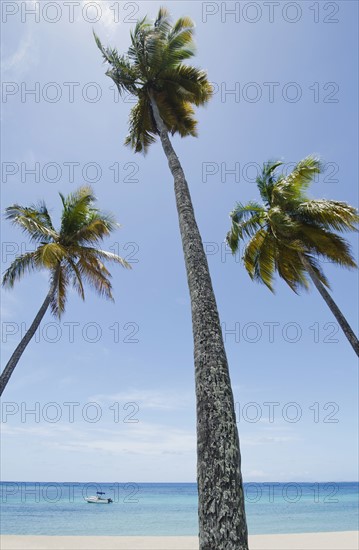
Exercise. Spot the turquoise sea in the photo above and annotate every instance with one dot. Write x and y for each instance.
(171, 508)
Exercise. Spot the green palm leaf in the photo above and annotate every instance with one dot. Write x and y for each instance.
(58, 301)
(328, 214)
(74, 276)
(266, 180)
(104, 255)
(327, 245)
(50, 255)
(290, 268)
(141, 125)
(71, 255)
(20, 266)
(96, 275)
(246, 220)
(293, 186)
(290, 227)
(34, 221)
(153, 67)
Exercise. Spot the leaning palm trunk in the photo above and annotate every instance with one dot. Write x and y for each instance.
(14, 359)
(353, 340)
(222, 521)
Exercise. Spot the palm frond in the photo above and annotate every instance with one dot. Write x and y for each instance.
(190, 82)
(123, 73)
(329, 214)
(246, 220)
(251, 251)
(142, 128)
(177, 114)
(290, 268)
(283, 225)
(243, 212)
(98, 254)
(75, 276)
(327, 245)
(19, 267)
(64, 254)
(98, 225)
(59, 277)
(124, 79)
(182, 23)
(34, 221)
(317, 268)
(264, 263)
(137, 53)
(292, 226)
(180, 45)
(96, 276)
(266, 179)
(50, 255)
(163, 22)
(293, 186)
(155, 51)
(76, 211)
(153, 67)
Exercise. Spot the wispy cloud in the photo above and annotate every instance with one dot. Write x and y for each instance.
(148, 399)
(137, 439)
(265, 440)
(52, 431)
(106, 13)
(176, 443)
(10, 304)
(21, 61)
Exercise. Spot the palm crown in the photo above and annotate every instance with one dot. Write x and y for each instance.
(70, 254)
(153, 67)
(290, 225)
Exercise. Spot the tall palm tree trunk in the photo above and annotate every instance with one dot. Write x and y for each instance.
(222, 521)
(353, 340)
(13, 361)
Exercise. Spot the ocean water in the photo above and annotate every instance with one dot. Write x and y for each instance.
(171, 508)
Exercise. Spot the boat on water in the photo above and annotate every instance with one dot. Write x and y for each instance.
(98, 499)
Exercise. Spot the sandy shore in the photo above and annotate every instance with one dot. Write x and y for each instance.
(345, 540)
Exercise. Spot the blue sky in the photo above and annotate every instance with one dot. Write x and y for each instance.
(134, 358)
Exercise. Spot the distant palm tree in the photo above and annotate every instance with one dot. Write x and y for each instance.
(70, 255)
(166, 90)
(291, 231)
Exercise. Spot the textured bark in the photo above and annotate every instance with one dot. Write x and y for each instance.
(222, 520)
(353, 340)
(14, 359)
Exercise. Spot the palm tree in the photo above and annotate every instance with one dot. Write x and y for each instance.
(166, 89)
(290, 232)
(70, 255)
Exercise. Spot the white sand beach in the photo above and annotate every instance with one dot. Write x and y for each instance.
(345, 540)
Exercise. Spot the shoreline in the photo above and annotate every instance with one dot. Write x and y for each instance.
(336, 540)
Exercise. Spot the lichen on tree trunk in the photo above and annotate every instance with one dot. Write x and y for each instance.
(14, 359)
(346, 328)
(222, 521)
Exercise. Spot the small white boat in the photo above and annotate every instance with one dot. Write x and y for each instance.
(98, 499)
